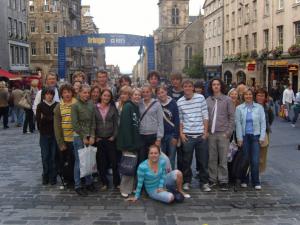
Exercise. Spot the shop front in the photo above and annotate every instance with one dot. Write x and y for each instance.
(283, 72)
(212, 71)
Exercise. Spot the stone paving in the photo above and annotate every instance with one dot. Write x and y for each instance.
(23, 200)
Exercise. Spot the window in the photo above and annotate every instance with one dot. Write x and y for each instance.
(214, 52)
(227, 23)
(32, 26)
(205, 55)
(246, 42)
(26, 56)
(232, 20)
(267, 8)
(55, 29)
(74, 24)
(15, 27)
(247, 16)
(20, 29)
(254, 36)
(297, 32)
(227, 47)
(206, 31)
(209, 54)
(55, 6)
(219, 51)
(12, 55)
(280, 4)
(214, 28)
(254, 9)
(10, 26)
(175, 16)
(14, 5)
(47, 48)
(17, 55)
(24, 30)
(219, 26)
(239, 44)
(188, 56)
(22, 61)
(209, 33)
(10, 3)
(31, 6)
(33, 48)
(280, 35)
(46, 5)
(240, 17)
(232, 46)
(266, 39)
(55, 48)
(47, 27)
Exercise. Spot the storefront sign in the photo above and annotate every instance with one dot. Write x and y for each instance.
(293, 68)
(278, 63)
(251, 67)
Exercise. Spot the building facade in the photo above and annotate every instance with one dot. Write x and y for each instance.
(261, 42)
(213, 38)
(178, 38)
(93, 59)
(48, 20)
(14, 45)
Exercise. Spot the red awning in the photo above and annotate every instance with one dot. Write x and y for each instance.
(10, 76)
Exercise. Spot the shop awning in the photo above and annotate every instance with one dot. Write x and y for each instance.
(8, 75)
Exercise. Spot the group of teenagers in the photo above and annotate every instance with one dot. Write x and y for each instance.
(162, 127)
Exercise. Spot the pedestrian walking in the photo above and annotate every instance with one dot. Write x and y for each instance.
(221, 125)
(4, 107)
(18, 111)
(129, 139)
(45, 123)
(250, 124)
(296, 109)
(29, 119)
(287, 99)
(106, 133)
(83, 123)
(193, 116)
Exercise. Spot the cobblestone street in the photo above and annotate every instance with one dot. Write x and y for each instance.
(23, 200)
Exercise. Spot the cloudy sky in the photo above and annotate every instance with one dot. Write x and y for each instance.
(130, 17)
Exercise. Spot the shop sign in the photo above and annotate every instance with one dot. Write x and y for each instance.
(278, 63)
(251, 67)
(293, 68)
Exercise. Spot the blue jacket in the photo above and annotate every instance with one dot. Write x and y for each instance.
(258, 117)
(170, 110)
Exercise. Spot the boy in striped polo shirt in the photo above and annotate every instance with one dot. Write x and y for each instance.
(193, 116)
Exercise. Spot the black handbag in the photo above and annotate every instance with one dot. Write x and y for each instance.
(128, 165)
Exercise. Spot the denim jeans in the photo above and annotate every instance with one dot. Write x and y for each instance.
(296, 113)
(251, 151)
(199, 145)
(78, 144)
(169, 149)
(48, 151)
(19, 114)
(28, 121)
(170, 185)
(4, 114)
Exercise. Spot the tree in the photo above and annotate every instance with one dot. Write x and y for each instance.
(196, 68)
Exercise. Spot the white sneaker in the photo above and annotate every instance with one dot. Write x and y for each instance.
(244, 185)
(185, 195)
(206, 188)
(186, 186)
(293, 125)
(257, 187)
(124, 195)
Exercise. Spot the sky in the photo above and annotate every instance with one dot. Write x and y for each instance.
(138, 17)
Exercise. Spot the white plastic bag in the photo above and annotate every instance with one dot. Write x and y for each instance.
(87, 161)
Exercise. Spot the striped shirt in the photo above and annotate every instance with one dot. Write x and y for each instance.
(192, 113)
(151, 180)
(66, 121)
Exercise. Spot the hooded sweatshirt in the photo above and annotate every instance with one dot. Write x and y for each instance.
(45, 117)
(170, 110)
